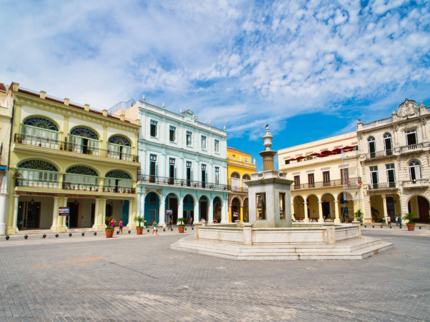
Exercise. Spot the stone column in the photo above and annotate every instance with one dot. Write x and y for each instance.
(320, 212)
(224, 211)
(196, 211)
(336, 211)
(211, 211)
(103, 212)
(247, 234)
(130, 212)
(229, 214)
(305, 211)
(384, 201)
(62, 222)
(15, 213)
(241, 213)
(181, 209)
(162, 213)
(3, 203)
(292, 211)
(55, 215)
(96, 213)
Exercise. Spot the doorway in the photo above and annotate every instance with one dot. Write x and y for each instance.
(28, 215)
(423, 210)
(391, 208)
(203, 210)
(74, 214)
(326, 210)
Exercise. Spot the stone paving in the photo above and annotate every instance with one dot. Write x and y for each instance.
(138, 278)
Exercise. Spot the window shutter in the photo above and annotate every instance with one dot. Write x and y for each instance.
(175, 172)
(192, 174)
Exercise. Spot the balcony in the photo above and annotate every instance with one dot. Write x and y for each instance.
(352, 183)
(81, 187)
(382, 186)
(412, 148)
(417, 183)
(181, 182)
(376, 155)
(67, 147)
(238, 189)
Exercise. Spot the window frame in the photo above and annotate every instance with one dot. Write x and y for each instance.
(189, 134)
(155, 124)
(172, 129)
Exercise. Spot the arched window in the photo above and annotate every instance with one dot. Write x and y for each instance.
(81, 177)
(388, 144)
(235, 181)
(84, 140)
(414, 171)
(37, 173)
(372, 147)
(246, 177)
(118, 181)
(39, 131)
(119, 147)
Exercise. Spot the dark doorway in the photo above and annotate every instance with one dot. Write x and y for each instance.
(203, 210)
(33, 215)
(109, 212)
(173, 205)
(423, 209)
(391, 208)
(85, 146)
(171, 174)
(326, 209)
(93, 212)
(152, 173)
(188, 176)
(74, 214)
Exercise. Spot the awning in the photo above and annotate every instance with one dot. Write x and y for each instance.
(300, 157)
(3, 167)
(292, 159)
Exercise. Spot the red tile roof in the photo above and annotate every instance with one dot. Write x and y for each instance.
(236, 150)
(2, 87)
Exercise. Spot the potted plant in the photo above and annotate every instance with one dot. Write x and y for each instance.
(70, 148)
(181, 224)
(68, 184)
(19, 138)
(182, 182)
(139, 228)
(61, 147)
(89, 151)
(40, 144)
(16, 175)
(358, 215)
(109, 231)
(410, 216)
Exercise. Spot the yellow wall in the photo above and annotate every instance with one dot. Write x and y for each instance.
(241, 167)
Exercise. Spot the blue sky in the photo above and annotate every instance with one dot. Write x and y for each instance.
(308, 68)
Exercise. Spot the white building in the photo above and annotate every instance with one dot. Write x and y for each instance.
(183, 166)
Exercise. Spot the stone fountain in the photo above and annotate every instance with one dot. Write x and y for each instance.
(271, 233)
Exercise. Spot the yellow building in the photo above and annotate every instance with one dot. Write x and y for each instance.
(327, 178)
(67, 155)
(239, 168)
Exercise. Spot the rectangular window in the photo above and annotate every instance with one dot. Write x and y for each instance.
(411, 137)
(189, 173)
(261, 205)
(297, 182)
(374, 177)
(189, 138)
(282, 205)
(172, 171)
(217, 146)
(154, 128)
(344, 175)
(246, 160)
(216, 175)
(391, 175)
(152, 168)
(287, 162)
(311, 180)
(326, 178)
(172, 134)
(203, 142)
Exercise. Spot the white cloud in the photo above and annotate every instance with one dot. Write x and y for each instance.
(237, 63)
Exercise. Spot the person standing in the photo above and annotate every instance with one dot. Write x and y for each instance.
(400, 221)
(121, 224)
(389, 220)
(112, 223)
(397, 221)
(170, 223)
(154, 228)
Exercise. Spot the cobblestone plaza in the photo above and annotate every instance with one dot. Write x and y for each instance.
(138, 278)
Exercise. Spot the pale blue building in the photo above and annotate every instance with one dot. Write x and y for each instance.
(183, 166)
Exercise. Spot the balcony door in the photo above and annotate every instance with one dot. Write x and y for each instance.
(40, 132)
(84, 140)
(172, 171)
(204, 176)
(326, 178)
(311, 180)
(391, 175)
(414, 170)
(374, 177)
(388, 144)
(119, 148)
(189, 173)
(153, 168)
(411, 137)
(372, 147)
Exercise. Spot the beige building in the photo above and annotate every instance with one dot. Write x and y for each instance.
(5, 126)
(326, 175)
(394, 155)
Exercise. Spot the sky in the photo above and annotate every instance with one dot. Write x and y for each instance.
(309, 69)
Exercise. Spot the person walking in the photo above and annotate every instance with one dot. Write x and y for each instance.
(170, 223)
(397, 221)
(112, 223)
(154, 228)
(389, 220)
(400, 221)
(121, 224)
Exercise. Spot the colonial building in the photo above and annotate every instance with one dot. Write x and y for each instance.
(64, 154)
(394, 154)
(184, 166)
(5, 126)
(239, 169)
(326, 174)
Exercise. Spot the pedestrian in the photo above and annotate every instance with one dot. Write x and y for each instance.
(400, 221)
(121, 224)
(170, 222)
(389, 220)
(112, 222)
(397, 221)
(154, 228)
(190, 220)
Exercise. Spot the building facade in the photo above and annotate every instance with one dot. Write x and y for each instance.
(239, 169)
(5, 127)
(326, 175)
(183, 166)
(67, 155)
(394, 155)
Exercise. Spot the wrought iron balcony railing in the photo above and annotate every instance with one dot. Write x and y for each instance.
(181, 182)
(416, 183)
(36, 183)
(351, 183)
(411, 148)
(72, 147)
(382, 185)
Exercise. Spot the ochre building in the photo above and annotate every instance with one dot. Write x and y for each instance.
(239, 168)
